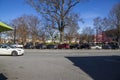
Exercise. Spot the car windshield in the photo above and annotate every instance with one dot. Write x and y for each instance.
(6, 46)
(11, 46)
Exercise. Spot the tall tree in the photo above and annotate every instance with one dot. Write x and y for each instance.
(87, 34)
(21, 29)
(72, 27)
(114, 18)
(100, 25)
(42, 34)
(34, 23)
(51, 32)
(27, 27)
(55, 10)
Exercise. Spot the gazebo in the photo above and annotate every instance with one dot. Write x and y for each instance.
(4, 27)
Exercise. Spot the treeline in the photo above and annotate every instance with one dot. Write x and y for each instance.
(57, 21)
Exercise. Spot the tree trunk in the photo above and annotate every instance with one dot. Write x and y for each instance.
(118, 34)
(61, 36)
(70, 41)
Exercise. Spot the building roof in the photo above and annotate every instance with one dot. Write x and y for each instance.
(4, 27)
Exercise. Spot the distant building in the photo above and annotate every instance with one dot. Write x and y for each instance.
(101, 38)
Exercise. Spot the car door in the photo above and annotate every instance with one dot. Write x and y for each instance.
(4, 50)
(1, 50)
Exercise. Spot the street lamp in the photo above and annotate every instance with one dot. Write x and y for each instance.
(14, 34)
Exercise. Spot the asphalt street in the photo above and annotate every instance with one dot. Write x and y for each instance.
(62, 65)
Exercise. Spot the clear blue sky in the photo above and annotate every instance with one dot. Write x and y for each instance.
(11, 9)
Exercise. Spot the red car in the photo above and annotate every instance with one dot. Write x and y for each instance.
(63, 46)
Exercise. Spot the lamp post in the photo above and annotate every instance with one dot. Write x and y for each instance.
(14, 34)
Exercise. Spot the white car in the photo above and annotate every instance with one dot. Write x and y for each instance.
(17, 45)
(96, 47)
(9, 50)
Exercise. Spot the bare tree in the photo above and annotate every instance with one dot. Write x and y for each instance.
(55, 10)
(42, 34)
(34, 23)
(114, 18)
(100, 25)
(27, 27)
(72, 27)
(21, 29)
(10, 36)
(87, 34)
(51, 33)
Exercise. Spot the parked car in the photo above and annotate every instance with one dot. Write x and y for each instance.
(114, 45)
(51, 46)
(119, 45)
(85, 46)
(40, 46)
(96, 47)
(106, 46)
(63, 46)
(29, 46)
(17, 45)
(75, 46)
(10, 50)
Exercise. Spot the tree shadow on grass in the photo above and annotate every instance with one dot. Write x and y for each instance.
(99, 67)
(3, 77)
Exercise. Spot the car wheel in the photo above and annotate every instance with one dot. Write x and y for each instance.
(14, 53)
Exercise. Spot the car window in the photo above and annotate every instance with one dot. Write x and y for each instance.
(0, 46)
(4, 46)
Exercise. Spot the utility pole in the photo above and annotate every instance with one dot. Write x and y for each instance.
(0, 38)
(14, 34)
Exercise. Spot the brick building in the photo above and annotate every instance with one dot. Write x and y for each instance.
(101, 38)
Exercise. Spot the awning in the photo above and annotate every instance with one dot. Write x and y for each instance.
(4, 27)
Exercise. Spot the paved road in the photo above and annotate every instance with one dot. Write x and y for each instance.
(62, 65)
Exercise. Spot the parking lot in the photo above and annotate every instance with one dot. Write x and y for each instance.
(61, 65)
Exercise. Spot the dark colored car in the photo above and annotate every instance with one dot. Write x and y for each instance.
(106, 46)
(40, 46)
(114, 45)
(63, 46)
(75, 46)
(29, 46)
(85, 46)
(51, 46)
